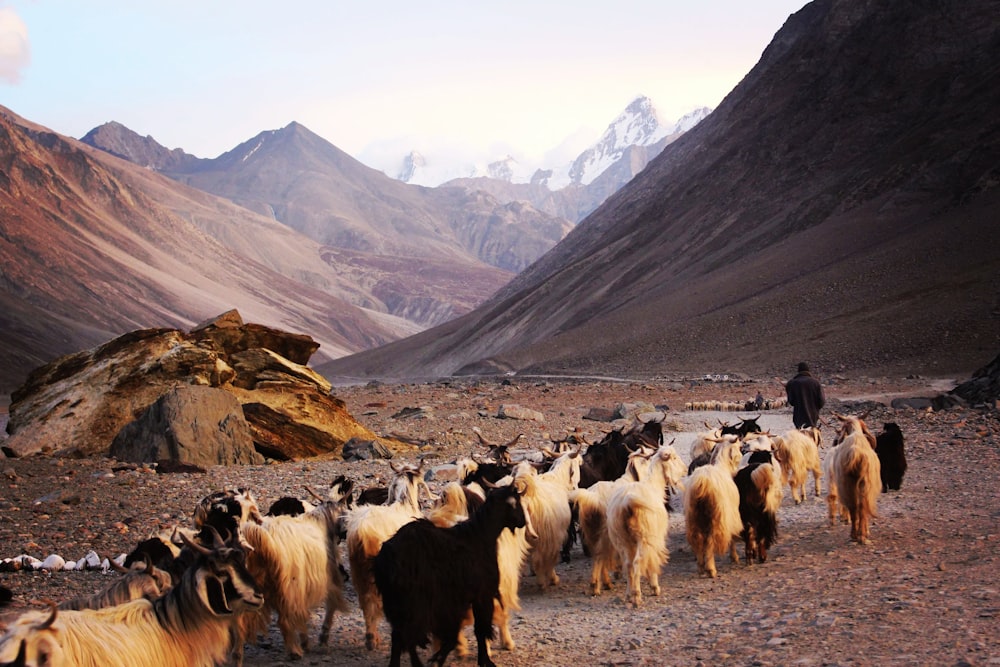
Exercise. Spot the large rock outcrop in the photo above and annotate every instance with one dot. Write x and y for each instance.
(127, 391)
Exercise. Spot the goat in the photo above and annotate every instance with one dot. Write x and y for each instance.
(891, 456)
(239, 503)
(760, 487)
(798, 452)
(428, 578)
(712, 508)
(546, 499)
(368, 526)
(638, 521)
(591, 505)
(149, 582)
(704, 446)
(295, 560)
(188, 627)
(854, 477)
(459, 503)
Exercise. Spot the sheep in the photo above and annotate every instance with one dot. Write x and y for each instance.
(295, 560)
(712, 508)
(638, 521)
(188, 627)
(428, 578)
(546, 499)
(368, 526)
(854, 477)
(891, 456)
(760, 487)
(798, 452)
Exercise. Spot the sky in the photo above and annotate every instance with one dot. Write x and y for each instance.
(532, 78)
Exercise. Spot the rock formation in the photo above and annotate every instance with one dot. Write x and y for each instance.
(256, 398)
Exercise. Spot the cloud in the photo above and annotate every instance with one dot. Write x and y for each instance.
(15, 50)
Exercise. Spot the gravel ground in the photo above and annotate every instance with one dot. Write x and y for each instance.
(923, 593)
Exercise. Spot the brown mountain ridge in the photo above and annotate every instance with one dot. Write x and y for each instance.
(840, 205)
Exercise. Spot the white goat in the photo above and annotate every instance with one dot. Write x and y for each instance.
(545, 498)
(854, 477)
(712, 508)
(638, 521)
(798, 452)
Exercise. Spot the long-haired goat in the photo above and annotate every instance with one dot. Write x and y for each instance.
(760, 487)
(712, 508)
(546, 499)
(798, 452)
(591, 505)
(368, 526)
(295, 560)
(428, 578)
(854, 477)
(188, 627)
(148, 582)
(638, 521)
(891, 456)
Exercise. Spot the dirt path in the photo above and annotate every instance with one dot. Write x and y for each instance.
(923, 593)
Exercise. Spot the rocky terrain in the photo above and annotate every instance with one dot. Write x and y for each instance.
(923, 592)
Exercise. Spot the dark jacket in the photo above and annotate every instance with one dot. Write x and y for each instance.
(805, 395)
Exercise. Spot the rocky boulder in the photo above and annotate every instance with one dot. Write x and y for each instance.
(203, 426)
(983, 387)
(79, 404)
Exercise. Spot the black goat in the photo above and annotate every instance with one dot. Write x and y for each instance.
(760, 489)
(889, 447)
(428, 578)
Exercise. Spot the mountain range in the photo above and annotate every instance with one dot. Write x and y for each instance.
(839, 206)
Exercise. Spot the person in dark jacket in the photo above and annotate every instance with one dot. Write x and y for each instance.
(805, 395)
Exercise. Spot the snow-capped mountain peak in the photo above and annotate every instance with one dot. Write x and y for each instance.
(640, 124)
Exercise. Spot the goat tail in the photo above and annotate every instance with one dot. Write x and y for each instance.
(769, 485)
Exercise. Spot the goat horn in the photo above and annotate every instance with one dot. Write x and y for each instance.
(47, 623)
(194, 545)
(21, 659)
(312, 493)
(119, 568)
(482, 440)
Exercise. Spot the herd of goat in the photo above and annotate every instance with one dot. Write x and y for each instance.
(196, 596)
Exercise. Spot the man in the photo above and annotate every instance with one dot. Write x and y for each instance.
(805, 395)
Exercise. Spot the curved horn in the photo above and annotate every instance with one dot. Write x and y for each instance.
(482, 440)
(47, 623)
(21, 659)
(194, 546)
(120, 568)
(315, 495)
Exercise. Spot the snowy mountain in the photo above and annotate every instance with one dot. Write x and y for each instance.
(640, 124)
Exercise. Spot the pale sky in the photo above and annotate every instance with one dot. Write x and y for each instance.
(373, 77)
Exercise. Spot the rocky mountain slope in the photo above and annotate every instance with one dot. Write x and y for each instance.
(838, 206)
(92, 246)
(301, 180)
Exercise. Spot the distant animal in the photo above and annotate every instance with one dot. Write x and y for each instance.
(891, 455)
(428, 578)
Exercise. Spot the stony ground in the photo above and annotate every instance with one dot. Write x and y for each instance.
(924, 592)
